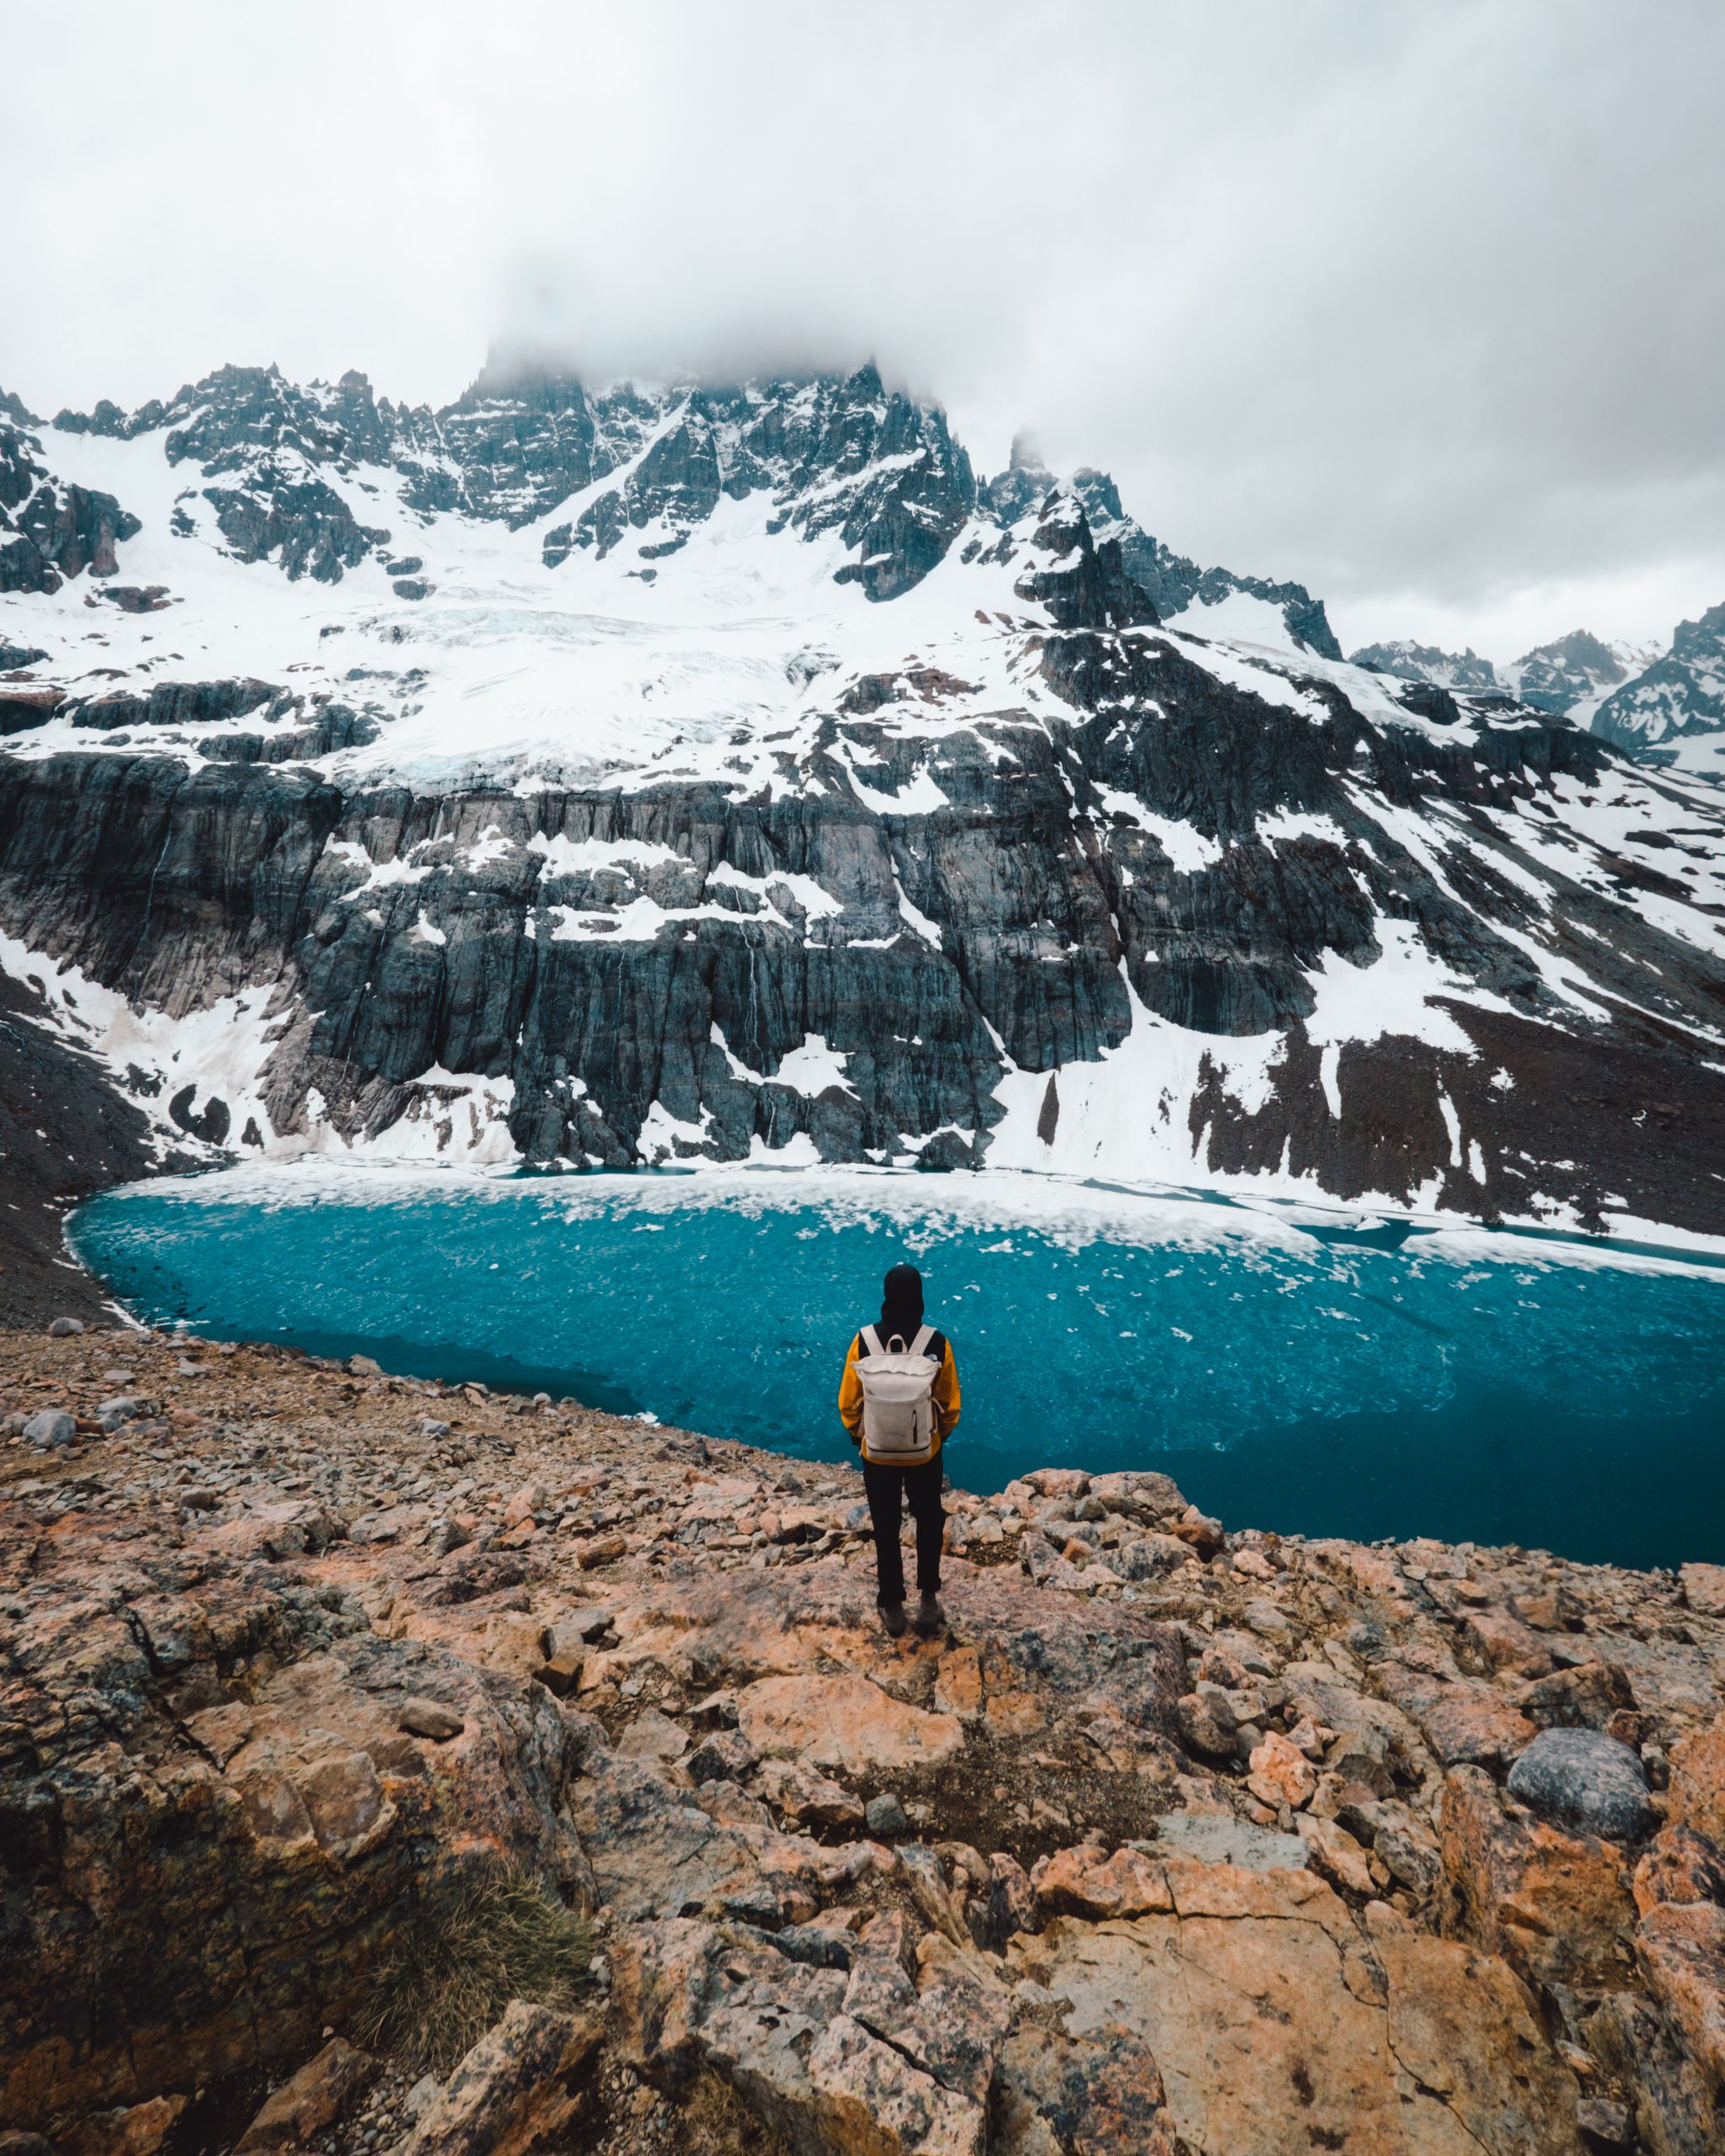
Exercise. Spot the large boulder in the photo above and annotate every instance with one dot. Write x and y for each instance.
(1581, 1780)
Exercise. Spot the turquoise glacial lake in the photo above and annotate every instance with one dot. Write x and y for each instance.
(1320, 1373)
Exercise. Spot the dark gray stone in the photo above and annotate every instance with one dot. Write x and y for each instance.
(1581, 1780)
(885, 1815)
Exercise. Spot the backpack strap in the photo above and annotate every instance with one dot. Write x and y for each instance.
(919, 1346)
(871, 1341)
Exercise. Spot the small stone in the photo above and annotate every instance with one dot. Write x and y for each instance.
(362, 1366)
(1010, 1906)
(717, 1710)
(1336, 1855)
(516, 2089)
(884, 1815)
(1605, 2124)
(726, 1755)
(423, 1717)
(652, 1737)
(1058, 1481)
(444, 1535)
(1474, 1726)
(810, 1797)
(1281, 1773)
(525, 1502)
(62, 1328)
(1577, 1778)
(51, 1427)
(430, 1427)
(325, 2088)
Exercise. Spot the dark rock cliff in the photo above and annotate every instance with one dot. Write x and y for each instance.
(638, 964)
(65, 1132)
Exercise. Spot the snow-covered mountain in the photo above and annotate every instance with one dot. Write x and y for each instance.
(1674, 712)
(1574, 674)
(1662, 707)
(620, 773)
(1424, 662)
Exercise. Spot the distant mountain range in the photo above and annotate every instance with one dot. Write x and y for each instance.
(612, 774)
(1668, 707)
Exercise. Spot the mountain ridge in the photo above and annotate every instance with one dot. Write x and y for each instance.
(782, 792)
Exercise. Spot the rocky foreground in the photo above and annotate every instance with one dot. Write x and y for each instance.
(1179, 1840)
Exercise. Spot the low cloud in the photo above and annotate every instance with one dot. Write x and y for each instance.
(1421, 305)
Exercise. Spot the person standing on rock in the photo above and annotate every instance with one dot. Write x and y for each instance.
(898, 1399)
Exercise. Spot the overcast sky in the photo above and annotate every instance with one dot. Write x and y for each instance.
(1420, 301)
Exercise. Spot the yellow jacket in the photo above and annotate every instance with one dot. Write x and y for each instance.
(945, 1395)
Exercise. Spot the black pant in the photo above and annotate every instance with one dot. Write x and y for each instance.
(886, 1489)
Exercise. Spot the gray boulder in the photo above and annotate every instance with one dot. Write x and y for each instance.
(1587, 1782)
(53, 1426)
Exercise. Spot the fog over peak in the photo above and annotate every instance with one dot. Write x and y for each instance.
(1422, 307)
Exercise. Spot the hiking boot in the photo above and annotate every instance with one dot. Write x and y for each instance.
(892, 1615)
(931, 1618)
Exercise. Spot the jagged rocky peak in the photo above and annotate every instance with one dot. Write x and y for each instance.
(840, 453)
(1558, 676)
(1013, 494)
(1083, 586)
(834, 451)
(1425, 662)
(1677, 699)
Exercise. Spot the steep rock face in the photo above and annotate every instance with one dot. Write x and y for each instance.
(626, 973)
(65, 1131)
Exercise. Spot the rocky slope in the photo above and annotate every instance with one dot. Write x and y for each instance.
(1178, 1839)
(618, 774)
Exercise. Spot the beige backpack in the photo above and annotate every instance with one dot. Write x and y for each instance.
(898, 1398)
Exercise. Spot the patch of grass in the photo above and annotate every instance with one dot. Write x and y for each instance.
(713, 2121)
(489, 1934)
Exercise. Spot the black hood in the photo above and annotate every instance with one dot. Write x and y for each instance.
(901, 1305)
